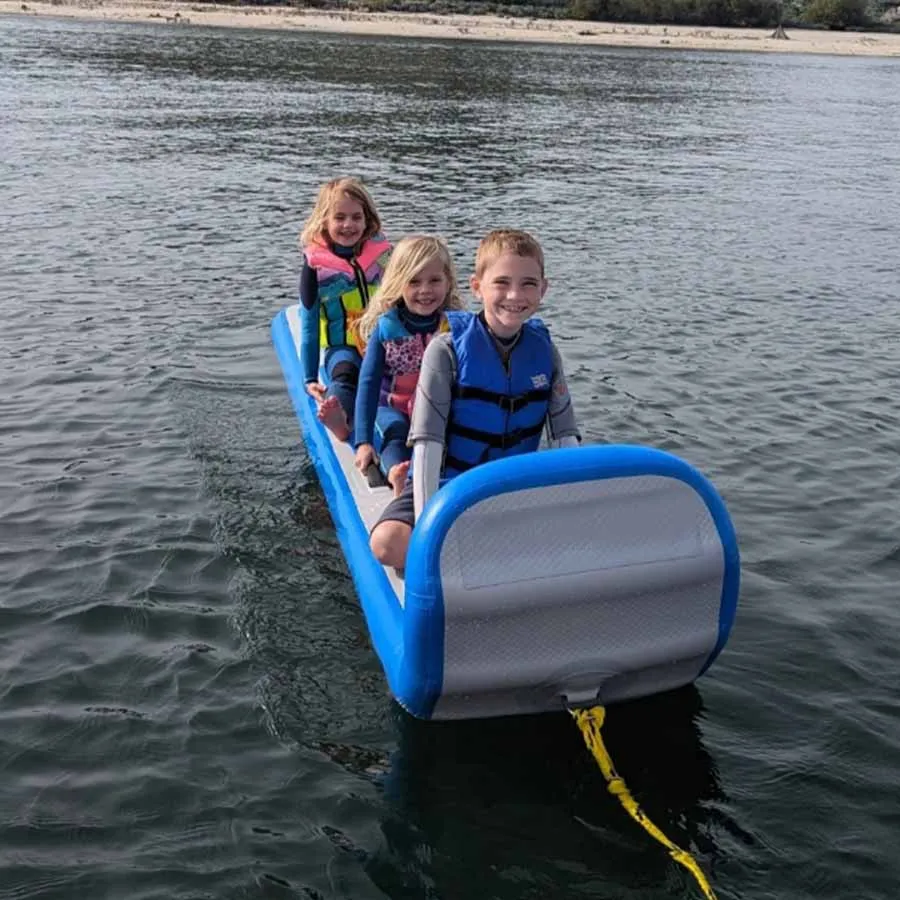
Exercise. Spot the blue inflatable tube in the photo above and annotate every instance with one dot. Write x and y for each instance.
(553, 579)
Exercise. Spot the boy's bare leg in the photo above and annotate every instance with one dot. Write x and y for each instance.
(332, 416)
(389, 541)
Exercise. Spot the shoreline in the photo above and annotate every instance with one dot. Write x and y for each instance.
(183, 14)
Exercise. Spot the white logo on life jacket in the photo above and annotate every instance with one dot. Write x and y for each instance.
(540, 381)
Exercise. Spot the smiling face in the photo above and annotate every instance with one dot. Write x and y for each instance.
(511, 288)
(346, 222)
(427, 290)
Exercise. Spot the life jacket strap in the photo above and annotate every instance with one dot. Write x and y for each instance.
(503, 441)
(507, 403)
(452, 462)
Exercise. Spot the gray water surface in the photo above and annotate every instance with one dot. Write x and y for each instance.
(190, 705)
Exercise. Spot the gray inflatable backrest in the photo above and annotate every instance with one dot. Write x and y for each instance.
(631, 607)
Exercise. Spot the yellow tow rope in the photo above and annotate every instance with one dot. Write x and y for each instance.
(590, 721)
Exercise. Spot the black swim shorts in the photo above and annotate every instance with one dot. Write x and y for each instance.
(400, 509)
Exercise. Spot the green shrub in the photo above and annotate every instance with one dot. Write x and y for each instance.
(836, 14)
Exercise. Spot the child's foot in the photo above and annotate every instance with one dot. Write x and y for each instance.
(397, 477)
(331, 415)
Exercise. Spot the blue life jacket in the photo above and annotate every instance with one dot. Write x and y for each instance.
(496, 410)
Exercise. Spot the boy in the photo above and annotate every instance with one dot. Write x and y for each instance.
(486, 388)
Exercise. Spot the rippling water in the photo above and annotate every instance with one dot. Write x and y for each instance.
(190, 707)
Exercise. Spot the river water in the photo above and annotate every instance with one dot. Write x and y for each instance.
(190, 706)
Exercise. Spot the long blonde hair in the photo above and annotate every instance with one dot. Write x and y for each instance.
(410, 256)
(315, 230)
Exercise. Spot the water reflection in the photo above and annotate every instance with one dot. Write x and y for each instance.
(484, 796)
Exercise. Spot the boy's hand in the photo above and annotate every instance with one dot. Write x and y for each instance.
(365, 456)
(317, 391)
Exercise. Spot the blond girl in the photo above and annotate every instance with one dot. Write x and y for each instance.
(344, 256)
(419, 285)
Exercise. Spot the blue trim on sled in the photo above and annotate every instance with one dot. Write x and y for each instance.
(423, 626)
(380, 605)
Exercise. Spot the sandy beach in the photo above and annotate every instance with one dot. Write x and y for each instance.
(488, 28)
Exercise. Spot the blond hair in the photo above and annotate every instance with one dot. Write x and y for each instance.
(315, 230)
(410, 256)
(507, 240)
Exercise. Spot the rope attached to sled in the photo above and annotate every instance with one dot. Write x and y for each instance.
(590, 721)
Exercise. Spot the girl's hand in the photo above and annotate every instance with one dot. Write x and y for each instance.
(317, 391)
(365, 456)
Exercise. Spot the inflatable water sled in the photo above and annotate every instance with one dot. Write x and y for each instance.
(561, 578)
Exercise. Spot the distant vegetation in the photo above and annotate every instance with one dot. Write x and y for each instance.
(882, 15)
